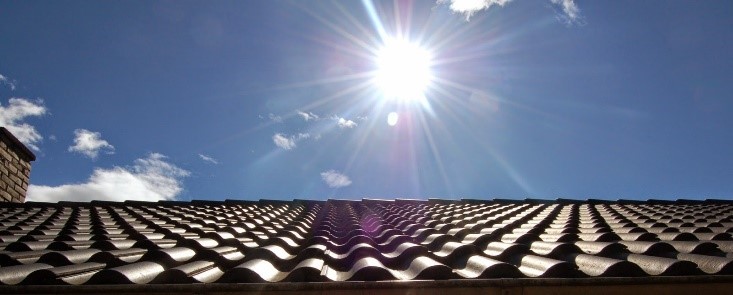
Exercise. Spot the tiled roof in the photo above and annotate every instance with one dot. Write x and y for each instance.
(369, 240)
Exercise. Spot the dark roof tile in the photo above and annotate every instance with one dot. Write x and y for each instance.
(695, 247)
(260, 271)
(134, 273)
(597, 266)
(74, 274)
(482, 267)
(538, 266)
(661, 266)
(60, 258)
(649, 248)
(504, 251)
(12, 275)
(193, 272)
(601, 248)
(709, 264)
(119, 257)
(170, 257)
(22, 257)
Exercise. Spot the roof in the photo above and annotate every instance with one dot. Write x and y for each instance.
(286, 242)
(23, 151)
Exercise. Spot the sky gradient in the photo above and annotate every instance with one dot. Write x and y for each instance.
(277, 99)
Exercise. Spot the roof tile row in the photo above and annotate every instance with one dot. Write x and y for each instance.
(275, 241)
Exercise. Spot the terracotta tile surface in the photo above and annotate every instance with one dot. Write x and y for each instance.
(368, 240)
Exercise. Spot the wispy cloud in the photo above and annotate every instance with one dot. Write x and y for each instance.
(308, 116)
(90, 143)
(341, 122)
(208, 159)
(469, 7)
(4, 80)
(571, 12)
(344, 123)
(288, 142)
(12, 116)
(149, 179)
(275, 118)
(334, 179)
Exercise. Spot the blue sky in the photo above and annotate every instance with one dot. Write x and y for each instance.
(278, 99)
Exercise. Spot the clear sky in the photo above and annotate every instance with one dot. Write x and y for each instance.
(371, 99)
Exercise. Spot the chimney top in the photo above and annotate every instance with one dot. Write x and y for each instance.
(18, 146)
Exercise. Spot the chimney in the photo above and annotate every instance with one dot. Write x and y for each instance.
(15, 170)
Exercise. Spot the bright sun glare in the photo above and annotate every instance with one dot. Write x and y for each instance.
(403, 70)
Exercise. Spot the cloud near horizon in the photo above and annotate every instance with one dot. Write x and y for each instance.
(149, 179)
(334, 179)
(12, 116)
(90, 143)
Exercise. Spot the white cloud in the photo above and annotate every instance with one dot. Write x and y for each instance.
(288, 142)
(90, 143)
(7, 81)
(18, 109)
(275, 118)
(571, 12)
(308, 116)
(344, 123)
(149, 179)
(208, 159)
(334, 179)
(283, 142)
(469, 7)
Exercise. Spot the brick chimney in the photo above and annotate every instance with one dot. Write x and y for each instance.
(15, 169)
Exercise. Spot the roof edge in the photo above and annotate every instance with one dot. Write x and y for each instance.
(629, 284)
(397, 201)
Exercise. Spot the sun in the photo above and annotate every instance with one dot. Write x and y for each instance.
(403, 70)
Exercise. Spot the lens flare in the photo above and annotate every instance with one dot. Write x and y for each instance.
(392, 118)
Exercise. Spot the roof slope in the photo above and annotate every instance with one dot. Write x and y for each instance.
(316, 241)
